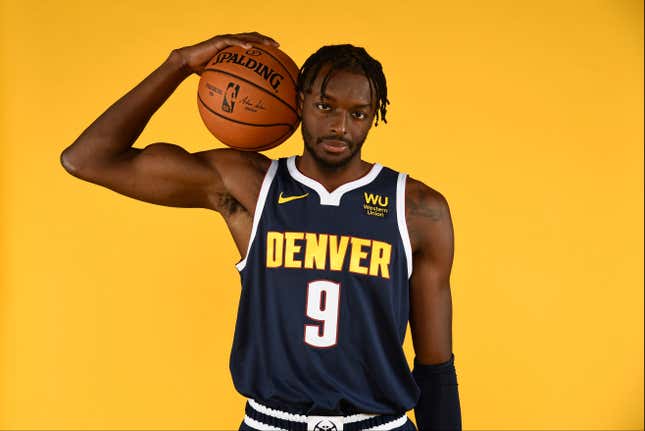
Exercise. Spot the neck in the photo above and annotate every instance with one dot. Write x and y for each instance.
(332, 177)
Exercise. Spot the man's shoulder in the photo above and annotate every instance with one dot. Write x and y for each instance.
(423, 203)
(427, 215)
(419, 190)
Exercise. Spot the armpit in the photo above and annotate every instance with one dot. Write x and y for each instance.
(227, 205)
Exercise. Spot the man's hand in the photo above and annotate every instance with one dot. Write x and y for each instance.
(195, 57)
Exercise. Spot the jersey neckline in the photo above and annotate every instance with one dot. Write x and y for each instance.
(331, 198)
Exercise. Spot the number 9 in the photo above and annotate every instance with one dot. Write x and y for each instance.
(322, 305)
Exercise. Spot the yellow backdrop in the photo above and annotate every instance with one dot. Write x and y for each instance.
(527, 116)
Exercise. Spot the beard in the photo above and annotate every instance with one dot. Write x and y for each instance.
(329, 163)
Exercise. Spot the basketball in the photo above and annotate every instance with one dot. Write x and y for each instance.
(247, 97)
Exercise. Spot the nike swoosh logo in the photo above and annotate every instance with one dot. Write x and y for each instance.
(285, 199)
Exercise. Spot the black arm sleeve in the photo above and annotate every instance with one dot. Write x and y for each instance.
(438, 406)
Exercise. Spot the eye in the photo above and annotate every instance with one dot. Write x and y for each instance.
(323, 106)
(360, 115)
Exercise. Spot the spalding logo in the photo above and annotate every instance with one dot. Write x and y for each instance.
(265, 72)
(325, 425)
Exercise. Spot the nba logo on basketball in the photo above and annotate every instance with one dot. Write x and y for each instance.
(228, 103)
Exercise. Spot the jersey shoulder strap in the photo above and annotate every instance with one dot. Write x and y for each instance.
(259, 208)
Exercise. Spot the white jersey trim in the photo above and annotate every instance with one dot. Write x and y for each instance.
(400, 216)
(331, 198)
(259, 207)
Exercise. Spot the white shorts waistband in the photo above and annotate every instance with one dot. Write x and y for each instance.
(316, 423)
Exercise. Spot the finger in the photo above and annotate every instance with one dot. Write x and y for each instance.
(259, 38)
(267, 39)
(235, 41)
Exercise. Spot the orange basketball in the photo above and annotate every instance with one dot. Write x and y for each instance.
(247, 97)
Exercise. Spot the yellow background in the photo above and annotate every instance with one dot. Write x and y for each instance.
(527, 116)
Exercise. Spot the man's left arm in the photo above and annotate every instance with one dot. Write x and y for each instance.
(431, 233)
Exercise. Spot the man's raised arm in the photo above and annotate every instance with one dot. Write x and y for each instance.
(163, 173)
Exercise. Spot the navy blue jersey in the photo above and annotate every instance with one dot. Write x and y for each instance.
(325, 296)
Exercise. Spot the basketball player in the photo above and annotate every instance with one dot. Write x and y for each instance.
(337, 253)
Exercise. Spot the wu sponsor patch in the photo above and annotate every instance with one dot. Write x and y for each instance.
(376, 205)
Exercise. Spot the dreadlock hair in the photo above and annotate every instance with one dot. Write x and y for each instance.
(349, 58)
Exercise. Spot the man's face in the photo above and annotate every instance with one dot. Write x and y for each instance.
(334, 126)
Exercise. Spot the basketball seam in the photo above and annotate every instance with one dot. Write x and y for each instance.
(255, 85)
(270, 145)
(291, 127)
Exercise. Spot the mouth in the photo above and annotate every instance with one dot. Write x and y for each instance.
(334, 146)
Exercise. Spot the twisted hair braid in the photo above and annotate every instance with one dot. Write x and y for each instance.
(349, 58)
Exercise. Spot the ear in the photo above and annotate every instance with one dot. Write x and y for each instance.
(300, 100)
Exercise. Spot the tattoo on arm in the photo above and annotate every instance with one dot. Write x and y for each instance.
(418, 205)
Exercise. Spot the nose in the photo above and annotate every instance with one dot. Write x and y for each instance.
(339, 124)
